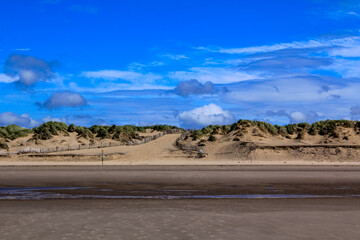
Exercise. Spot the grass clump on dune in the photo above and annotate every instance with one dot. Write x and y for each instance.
(48, 130)
(327, 127)
(4, 146)
(13, 131)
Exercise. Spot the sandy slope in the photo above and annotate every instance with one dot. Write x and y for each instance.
(160, 151)
(161, 148)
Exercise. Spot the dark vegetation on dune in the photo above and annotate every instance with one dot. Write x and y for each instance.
(12, 132)
(327, 127)
(49, 129)
(126, 132)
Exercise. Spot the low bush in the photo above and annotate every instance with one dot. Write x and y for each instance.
(196, 134)
(86, 133)
(71, 128)
(4, 146)
(47, 130)
(212, 138)
(103, 133)
(13, 131)
(291, 128)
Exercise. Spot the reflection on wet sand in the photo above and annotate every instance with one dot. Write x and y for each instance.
(161, 191)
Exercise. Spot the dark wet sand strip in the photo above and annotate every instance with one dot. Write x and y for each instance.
(174, 182)
(79, 175)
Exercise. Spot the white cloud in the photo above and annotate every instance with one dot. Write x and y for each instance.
(175, 56)
(207, 115)
(114, 75)
(213, 74)
(348, 41)
(298, 117)
(347, 52)
(139, 66)
(29, 70)
(64, 99)
(345, 67)
(53, 119)
(292, 89)
(7, 79)
(24, 120)
(104, 87)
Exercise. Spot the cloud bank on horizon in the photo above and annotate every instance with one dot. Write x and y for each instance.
(282, 62)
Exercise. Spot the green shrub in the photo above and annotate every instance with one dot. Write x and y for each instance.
(129, 128)
(13, 131)
(327, 127)
(85, 133)
(246, 123)
(212, 138)
(208, 129)
(304, 125)
(71, 128)
(291, 128)
(197, 134)
(47, 130)
(234, 126)
(162, 127)
(4, 146)
(3, 133)
(266, 127)
(124, 136)
(112, 129)
(80, 130)
(226, 128)
(282, 130)
(301, 135)
(103, 133)
(94, 129)
(141, 129)
(272, 129)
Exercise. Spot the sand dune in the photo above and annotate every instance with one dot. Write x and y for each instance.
(252, 147)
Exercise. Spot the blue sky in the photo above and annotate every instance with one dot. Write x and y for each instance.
(185, 63)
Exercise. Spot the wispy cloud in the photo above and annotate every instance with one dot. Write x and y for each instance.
(343, 8)
(175, 56)
(316, 43)
(213, 74)
(114, 75)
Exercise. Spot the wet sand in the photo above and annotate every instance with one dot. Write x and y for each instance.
(334, 215)
(181, 219)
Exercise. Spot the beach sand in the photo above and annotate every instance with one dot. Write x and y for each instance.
(181, 219)
(309, 218)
